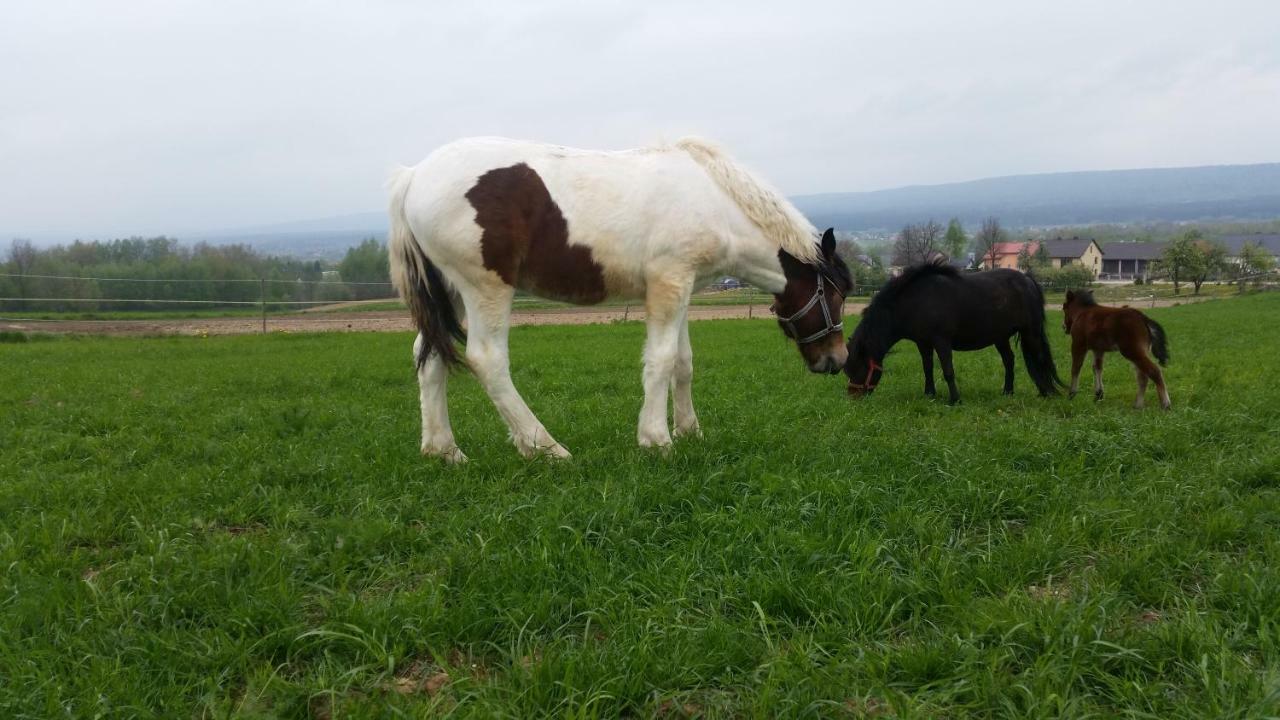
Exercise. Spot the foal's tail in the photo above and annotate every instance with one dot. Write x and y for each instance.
(1035, 343)
(1159, 342)
(419, 283)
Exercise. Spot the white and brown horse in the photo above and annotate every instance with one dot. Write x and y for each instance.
(481, 218)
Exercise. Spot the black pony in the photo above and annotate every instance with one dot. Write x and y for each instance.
(941, 309)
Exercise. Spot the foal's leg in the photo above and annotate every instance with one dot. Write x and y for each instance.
(948, 372)
(489, 319)
(1139, 401)
(682, 386)
(437, 435)
(1147, 369)
(1078, 351)
(666, 305)
(926, 361)
(1097, 374)
(1006, 356)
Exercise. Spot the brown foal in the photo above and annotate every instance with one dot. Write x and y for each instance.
(1097, 328)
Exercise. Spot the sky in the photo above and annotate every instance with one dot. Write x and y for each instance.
(168, 116)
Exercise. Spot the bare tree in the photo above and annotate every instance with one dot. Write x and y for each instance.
(984, 243)
(22, 260)
(918, 243)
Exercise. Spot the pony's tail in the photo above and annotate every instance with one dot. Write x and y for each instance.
(419, 283)
(1159, 342)
(1036, 352)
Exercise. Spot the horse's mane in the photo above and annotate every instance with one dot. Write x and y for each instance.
(777, 218)
(892, 289)
(874, 327)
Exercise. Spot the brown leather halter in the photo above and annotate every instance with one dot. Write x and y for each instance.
(819, 299)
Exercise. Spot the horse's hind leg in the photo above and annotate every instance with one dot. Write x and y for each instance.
(1006, 356)
(437, 435)
(1147, 369)
(1141, 399)
(1097, 374)
(926, 362)
(489, 319)
(686, 420)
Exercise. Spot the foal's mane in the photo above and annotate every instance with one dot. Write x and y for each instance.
(777, 218)
(1084, 298)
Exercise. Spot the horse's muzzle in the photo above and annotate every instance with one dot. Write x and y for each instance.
(827, 365)
(859, 391)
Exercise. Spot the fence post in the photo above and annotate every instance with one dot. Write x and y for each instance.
(751, 300)
(626, 313)
(262, 300)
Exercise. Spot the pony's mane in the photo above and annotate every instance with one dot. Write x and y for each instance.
(873, 330)
(777, 219)
(1085, 298)
(892, 289)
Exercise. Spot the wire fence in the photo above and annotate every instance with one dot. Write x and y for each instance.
(84, 299)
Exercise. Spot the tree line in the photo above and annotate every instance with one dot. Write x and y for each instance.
(931, 242)
(1190, 257)
(1193, 258)
(140, 273)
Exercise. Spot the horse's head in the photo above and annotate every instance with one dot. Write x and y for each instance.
(865, 361)
(1076, 300)
(810, 308)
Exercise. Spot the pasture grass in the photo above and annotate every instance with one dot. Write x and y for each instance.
(242, 527)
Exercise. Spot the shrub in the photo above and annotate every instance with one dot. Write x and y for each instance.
(1065, 278)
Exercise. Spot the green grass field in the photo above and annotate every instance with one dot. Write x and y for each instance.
(242, 527)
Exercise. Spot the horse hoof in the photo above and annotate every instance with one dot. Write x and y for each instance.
(554, 452)
(557, 452)
(693, 430)
(452, 455)
(662, 444)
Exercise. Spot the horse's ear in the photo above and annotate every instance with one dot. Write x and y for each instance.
(1071, 295)
(829, 243)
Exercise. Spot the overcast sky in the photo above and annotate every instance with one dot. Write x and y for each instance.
(166, 116)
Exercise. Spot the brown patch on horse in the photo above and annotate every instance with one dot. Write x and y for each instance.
(526, 239)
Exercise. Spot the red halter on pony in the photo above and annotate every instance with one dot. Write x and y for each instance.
(866, 385)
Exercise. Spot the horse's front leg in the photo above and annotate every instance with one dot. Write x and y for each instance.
(926, 362)
(1006, 357)
(1097, 374)
(666, 306)
(948, 372)
(489, 320)
(686, 420)
(1078, 351)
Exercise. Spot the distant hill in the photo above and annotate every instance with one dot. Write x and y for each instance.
(321, 238)
(1217, 192)
(1072, 198)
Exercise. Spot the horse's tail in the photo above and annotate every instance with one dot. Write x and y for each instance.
(419, 283)
(1036, 352)
(1159, 342)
